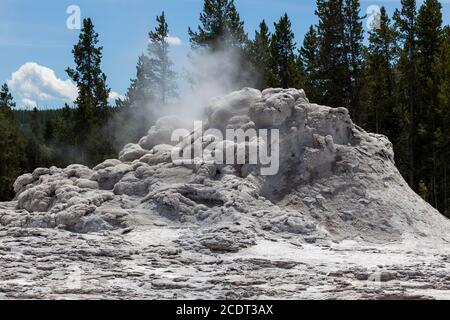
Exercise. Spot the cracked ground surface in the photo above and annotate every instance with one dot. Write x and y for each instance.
(56, 264)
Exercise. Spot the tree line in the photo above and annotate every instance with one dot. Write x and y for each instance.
(395, 80)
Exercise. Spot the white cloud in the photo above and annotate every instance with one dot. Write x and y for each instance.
(113, 96)
(33, 84)
(174, 41)
(29, 103)
(33, 81)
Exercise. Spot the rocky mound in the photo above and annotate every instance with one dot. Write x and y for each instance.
(334, 220)
(335, 181)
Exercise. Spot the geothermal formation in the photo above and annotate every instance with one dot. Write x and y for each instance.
(336, 221)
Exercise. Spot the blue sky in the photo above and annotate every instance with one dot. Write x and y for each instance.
(35, 31)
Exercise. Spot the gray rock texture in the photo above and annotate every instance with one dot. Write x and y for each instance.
(336, 221)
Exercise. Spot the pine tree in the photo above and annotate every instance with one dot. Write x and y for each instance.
(34, 152)
(160, 72)
(284, 64)
(383, 114)
(430, 125)
(154, 85)
(441, 69)
(260, 56)
(12, 155)
(353, 44)
(221, 35)
(135, 116)
(406, 26)
(140, 91)
(49, 131)
(90, 79)
(92, 112)
(6, 99)
(309, 53)
(64, 152)
(340, 55)
(332, 59)
(221, 27)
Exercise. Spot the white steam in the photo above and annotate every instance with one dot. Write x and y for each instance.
(210, 74)
(207, 75)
